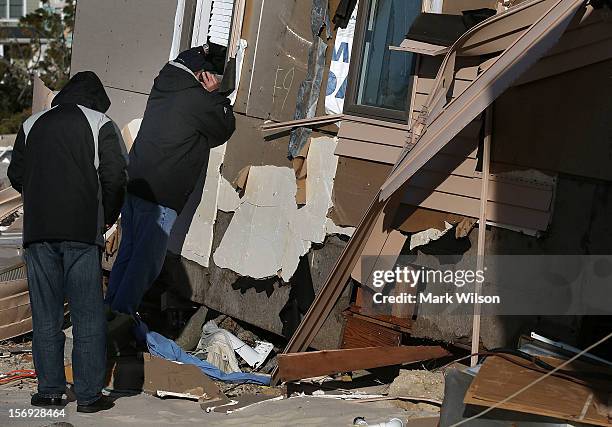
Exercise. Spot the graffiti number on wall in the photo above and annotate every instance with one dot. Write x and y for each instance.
(283, 80)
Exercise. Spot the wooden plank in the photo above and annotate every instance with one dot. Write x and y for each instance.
(554, 397)
(359, 333)
(482, 227)
(297, 366)
(309, 122)
(386, 256)
(392, 322)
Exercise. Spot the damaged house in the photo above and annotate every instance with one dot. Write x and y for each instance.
(280, 202)
(469, 129)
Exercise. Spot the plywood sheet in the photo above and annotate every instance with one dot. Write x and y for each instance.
(125, 42)
(125, 106)
(279, 38)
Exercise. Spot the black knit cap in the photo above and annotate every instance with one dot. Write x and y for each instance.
(210, 57)
(194, 59)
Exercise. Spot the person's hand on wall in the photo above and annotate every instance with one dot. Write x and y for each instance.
(209, 81)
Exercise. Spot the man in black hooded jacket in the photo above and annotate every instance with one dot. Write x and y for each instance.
(69, 164)
(185, 117)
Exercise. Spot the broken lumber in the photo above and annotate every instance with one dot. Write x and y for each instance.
(553, 397)
(309, 122)
(297, 366)
(166, 378)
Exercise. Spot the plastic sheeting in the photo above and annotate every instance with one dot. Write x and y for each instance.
(165, 348)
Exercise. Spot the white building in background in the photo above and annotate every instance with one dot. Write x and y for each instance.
(11, 11)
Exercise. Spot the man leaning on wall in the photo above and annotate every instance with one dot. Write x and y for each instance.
(186, 116)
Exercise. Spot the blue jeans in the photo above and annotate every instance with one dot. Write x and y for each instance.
(58, 271)
(145, 228)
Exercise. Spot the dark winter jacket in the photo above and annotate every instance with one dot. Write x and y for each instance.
(69, 164)
(181, 123)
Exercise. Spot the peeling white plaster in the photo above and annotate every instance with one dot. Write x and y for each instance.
(228, 199)
(254, 243)
(331, 228)
(426, 236)
(198, 242)
(268, 233)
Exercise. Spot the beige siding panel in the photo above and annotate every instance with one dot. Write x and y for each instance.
(425, 85)
(372, 133)
(451, 165)
(500, 192)
(496, 212)
(568, 61)
(582, 36)
(376, 122)
(368, 151)
(462, 147)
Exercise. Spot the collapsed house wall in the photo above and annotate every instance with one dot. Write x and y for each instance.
(536, 125)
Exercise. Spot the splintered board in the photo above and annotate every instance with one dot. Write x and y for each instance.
(554, 397)
(297, 366)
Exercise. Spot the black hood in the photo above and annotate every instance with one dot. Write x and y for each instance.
(86, 89)
(174, 78)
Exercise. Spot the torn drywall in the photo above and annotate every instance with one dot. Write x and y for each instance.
(424, 237)
(268, 233)
(228, 199)
(198, 242)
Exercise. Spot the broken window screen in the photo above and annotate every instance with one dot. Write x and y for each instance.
(384, 76)
(15, 9)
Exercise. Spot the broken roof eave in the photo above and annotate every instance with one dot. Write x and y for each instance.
(489, 36)
(505, 69)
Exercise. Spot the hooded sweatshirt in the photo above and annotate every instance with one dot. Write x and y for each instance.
(181, 123)
(69, 163)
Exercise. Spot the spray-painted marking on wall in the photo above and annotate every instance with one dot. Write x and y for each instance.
(283, 80)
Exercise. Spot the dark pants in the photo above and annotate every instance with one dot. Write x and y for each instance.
(145, 228)
(71, 271)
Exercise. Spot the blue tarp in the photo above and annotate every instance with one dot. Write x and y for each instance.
(165, 348)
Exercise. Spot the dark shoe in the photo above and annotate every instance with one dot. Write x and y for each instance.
(102, 404)
(46, 402)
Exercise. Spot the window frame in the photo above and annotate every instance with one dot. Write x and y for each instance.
(7, 12)
(356, 66)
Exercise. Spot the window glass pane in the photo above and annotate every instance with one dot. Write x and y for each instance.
(15, 9)
(3, 9)
(385, 74)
